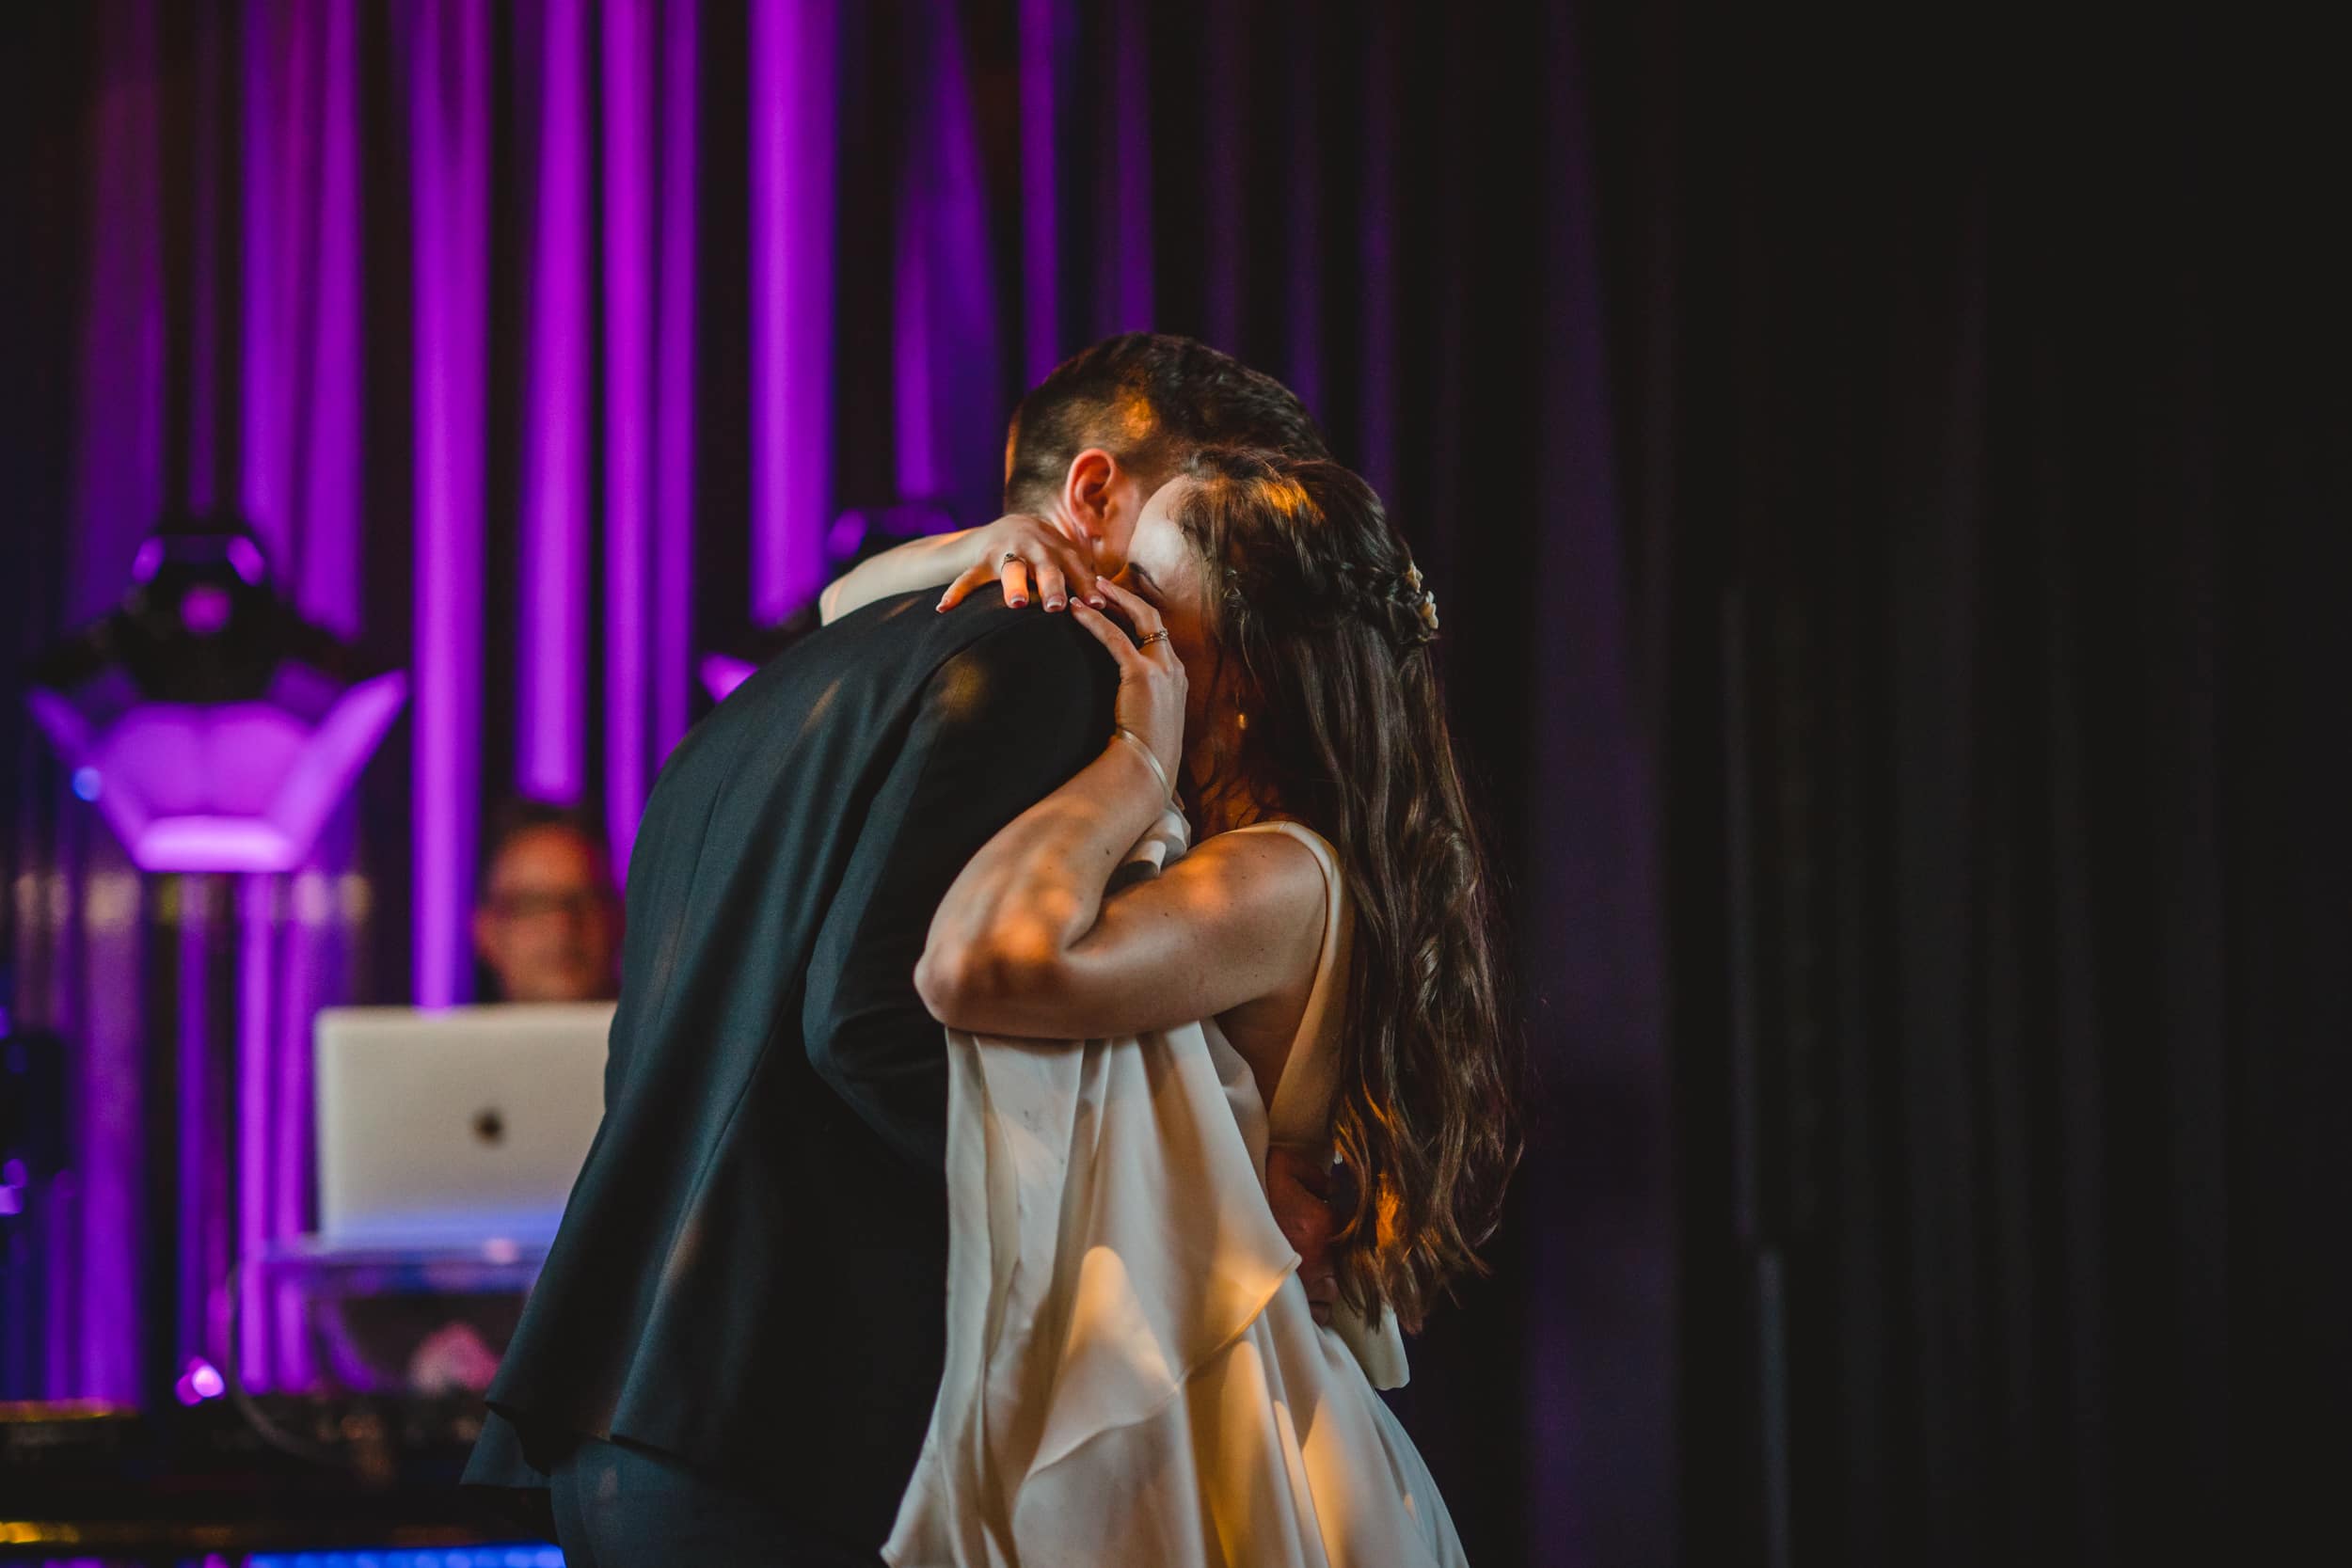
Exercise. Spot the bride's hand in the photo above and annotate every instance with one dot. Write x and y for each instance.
(1298, 1189)
(1020, 551)
(1151, 676)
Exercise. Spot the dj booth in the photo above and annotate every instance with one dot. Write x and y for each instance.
(446, 1145)
(457, 1126)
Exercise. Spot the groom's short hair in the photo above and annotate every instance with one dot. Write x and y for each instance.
(1151, 400)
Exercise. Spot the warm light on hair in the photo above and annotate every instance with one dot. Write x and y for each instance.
(1151, 400)
(1325, 619)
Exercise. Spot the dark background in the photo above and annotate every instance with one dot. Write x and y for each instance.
(1886, 475)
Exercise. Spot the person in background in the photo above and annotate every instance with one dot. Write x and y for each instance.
(547, 922)
(547, 926)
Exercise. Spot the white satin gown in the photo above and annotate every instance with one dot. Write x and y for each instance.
(1134, 1377)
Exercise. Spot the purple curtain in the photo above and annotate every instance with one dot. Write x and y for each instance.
(944, 345)
(257, 332)
(81, 927)
(544, 341)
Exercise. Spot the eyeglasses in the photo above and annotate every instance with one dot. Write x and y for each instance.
(576, 902)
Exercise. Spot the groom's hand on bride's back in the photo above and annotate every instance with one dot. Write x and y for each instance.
(1297, 1184)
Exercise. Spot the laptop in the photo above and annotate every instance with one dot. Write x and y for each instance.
(465, 1125)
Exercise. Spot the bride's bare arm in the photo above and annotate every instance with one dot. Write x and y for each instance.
(1027, 944)
(901, 569)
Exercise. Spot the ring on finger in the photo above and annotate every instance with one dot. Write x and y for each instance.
(1009, 557)
(1159, 636)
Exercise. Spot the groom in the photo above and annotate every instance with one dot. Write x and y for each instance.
(732, 1352)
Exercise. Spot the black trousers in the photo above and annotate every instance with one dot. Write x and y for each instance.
(623, 1507)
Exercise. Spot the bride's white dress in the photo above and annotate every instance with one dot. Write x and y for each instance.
(1133, 1374)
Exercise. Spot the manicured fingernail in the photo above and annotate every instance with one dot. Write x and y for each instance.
(1053, 604)
(1099, 602)
(1016, 603)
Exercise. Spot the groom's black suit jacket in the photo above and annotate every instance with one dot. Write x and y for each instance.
(752, 1270)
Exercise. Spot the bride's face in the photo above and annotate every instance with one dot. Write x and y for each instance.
(1166, 570)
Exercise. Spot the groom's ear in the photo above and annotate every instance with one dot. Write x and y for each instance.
(1088, 490)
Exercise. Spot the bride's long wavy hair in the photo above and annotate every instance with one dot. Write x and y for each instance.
(1322, 624)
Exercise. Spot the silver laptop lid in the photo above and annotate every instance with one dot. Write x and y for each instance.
(467, 1123)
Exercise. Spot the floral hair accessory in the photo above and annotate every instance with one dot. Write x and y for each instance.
(1426, 607)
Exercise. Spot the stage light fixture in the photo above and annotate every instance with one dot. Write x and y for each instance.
(212, 727)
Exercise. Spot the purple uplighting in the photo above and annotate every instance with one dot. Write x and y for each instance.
(201, 1382)
(204, 608)
(792, 66)
(207, 1228)
(1125, 232)
(943, 307)
(626, 117)
(118, 466)
(447, 49)
(91, 1264)
(302, 371)
(246, 557)
(213, 257)
(722, 673)
(1045, 39)
(673, 402)
(629, 167)
(551, 642)
(255, 1110)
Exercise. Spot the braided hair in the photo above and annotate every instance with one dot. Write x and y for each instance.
(1377, 596)
(1328, 629)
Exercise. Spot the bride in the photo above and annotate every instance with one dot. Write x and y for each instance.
(1300, 1014)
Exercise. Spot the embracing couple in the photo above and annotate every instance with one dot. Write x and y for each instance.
(1060, 1040)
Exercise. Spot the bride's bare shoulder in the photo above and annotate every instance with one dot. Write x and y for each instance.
(1262, 852)
(1255, 876)
(1250, 879)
